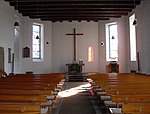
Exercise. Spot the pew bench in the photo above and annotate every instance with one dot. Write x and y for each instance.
(128, 91)
(122, 99)
(118, 101)
(29, 90)
(22, 109)
(34, 99)
(24, 92)
(132, 108)
(136, 108)
(122, 90)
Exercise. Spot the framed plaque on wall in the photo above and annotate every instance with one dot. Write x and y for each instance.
(26, 52)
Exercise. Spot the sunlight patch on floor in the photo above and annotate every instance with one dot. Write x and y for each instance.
(74, 90)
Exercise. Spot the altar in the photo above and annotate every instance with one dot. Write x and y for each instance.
(75, 68)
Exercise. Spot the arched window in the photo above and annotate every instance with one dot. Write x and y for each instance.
(90, 54)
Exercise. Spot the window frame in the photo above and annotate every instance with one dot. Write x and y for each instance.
(132, 40)
(108, 42)
(40, 32)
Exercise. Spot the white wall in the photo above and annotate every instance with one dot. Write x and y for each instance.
(63, 44)
(147, 37)
(143, 33)
(145, 46)
(121, 22)
(102, 49)
(44, 66)
(6, 31)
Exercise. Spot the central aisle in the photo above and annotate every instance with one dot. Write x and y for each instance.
(76, 99)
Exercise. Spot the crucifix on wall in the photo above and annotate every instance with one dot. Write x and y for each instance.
(74, 34)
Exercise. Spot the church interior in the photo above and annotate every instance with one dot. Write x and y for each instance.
(74, 56)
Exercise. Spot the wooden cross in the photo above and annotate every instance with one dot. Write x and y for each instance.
(74, 34)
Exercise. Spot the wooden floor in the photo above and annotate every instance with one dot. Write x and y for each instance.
(76, 98)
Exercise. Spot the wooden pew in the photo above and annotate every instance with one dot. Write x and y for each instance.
(25, 87)
(28, 90)
(124, 89)
(128, 91)
(21, 109)
(34, 99)
(136, 108)
(120, 100)
(24, 92)
(131, 98)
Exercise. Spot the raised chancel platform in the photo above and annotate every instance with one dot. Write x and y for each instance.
(76, 77)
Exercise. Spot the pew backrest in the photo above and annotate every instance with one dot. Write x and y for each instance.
(136, 108)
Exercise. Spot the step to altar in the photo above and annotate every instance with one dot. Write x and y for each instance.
(76, 77)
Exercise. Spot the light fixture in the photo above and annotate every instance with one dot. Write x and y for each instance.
(135, 22)
(113, 37)
(37, 37)
(16, 24)
(102, 43)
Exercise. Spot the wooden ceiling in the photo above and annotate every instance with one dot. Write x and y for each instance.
(70, 10)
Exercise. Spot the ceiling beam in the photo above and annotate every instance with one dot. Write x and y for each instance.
(74, 13)
(59, 10)
(75, 6)
(73, 18)
(78, 10)
(76, 1)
